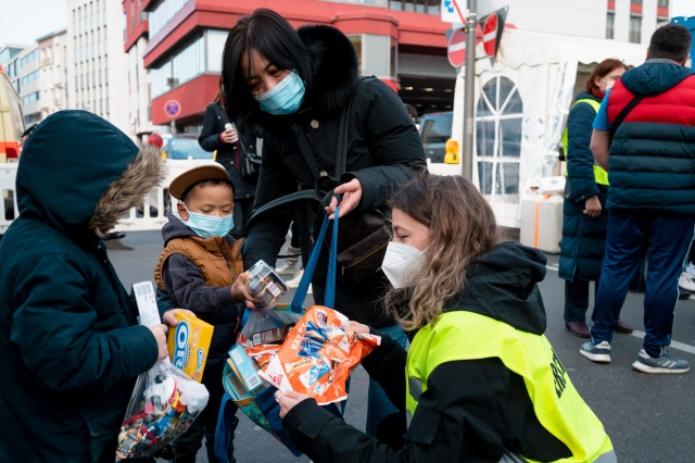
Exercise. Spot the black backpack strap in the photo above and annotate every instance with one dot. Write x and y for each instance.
(623, 114)
(306, 151)
(343, 139)
(310, 195)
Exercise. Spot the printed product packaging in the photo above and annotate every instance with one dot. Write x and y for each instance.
(189, 344)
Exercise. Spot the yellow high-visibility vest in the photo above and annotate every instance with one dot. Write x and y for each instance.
(462, 335)
(600, 174)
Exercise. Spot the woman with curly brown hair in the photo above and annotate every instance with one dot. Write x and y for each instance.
(483, 384)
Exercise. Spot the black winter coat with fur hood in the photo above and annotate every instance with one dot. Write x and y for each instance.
(69, 347)
(384, 151)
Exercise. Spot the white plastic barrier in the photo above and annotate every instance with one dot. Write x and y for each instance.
(150, 216)
(8, 204)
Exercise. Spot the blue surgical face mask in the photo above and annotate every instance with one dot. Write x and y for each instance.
(208, 226)
(285, 98)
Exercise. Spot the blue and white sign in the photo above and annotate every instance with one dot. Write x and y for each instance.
(454, 11)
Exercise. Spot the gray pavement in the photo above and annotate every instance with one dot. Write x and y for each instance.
(651, 419)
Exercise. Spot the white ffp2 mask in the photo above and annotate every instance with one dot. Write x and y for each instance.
(401, 264)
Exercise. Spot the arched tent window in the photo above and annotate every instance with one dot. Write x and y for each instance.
(498, 138)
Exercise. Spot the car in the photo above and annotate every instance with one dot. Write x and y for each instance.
(184, 146)
(435, 130)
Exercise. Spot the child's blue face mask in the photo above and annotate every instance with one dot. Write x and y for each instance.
(208, 226)
(285, 98)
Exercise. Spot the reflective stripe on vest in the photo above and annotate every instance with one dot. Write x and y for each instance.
(462, 335)
(600, 174)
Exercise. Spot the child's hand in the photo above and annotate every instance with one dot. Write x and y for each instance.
(240, 291)
(169, 318)
(159, 332)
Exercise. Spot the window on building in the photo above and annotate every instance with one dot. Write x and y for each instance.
(163, 13)
(214, 45)
(636, 2)
(635, 29)
(499, 116)
(417, 6)
(183, 66)
(356, 41)
(662, 3)
(610, 25)
(29, 79)
(31, 98)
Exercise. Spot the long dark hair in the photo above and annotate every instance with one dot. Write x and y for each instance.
(269, 34)
(601, 70)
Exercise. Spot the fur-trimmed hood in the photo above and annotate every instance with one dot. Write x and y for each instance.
(78, 172)
(334, 70)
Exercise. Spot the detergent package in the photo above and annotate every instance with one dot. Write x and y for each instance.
(164, 402)
(189, 344)
(318, 355)
(265, 285)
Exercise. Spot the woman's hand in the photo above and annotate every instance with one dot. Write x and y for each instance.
(240, 291)
(229, 136)
(169, 316)
(288, 400)
(592, 207)
(352, 195)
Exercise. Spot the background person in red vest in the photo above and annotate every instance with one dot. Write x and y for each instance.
(644, 135)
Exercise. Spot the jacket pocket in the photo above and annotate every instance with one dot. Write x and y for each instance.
(424, 426)
(103, 426)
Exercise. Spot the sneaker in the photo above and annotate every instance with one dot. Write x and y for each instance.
(293, 283)
(288, 268)
(686, 282)
(690, 270)
(600, 353)
(666, 363)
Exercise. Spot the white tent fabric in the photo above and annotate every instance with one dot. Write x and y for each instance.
(543, 69)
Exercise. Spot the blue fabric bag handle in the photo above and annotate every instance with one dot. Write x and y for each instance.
(303, 289)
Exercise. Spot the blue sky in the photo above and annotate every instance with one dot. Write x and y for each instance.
(23, 21)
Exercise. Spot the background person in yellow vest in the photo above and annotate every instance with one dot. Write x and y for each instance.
(200, 268)
(480, 382)
(586, 191)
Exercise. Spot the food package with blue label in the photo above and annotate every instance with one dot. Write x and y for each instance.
(189, 344)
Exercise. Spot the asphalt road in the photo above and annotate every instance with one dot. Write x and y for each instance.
(651, 419)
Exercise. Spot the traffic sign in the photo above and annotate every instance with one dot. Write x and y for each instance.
(490, 34)
(172, 108)
(456, 50)
(454, 11)
(493, 27)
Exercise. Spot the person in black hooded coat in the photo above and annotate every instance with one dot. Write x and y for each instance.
(295, 85)
(70, 344)
(584, 215)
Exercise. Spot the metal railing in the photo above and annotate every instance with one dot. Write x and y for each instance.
(151, 215)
